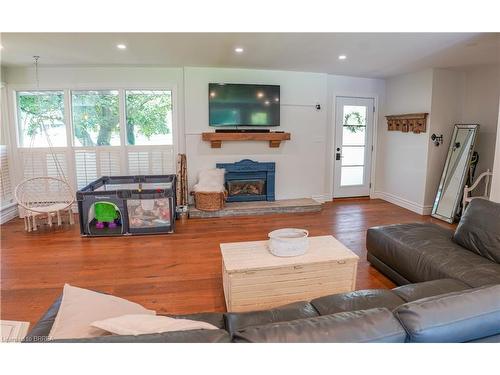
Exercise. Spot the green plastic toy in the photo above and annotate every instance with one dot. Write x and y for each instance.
(105, 213)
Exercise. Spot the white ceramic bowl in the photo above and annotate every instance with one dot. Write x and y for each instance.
(288, 242)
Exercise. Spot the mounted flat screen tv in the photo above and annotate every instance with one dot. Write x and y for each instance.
(243, 105)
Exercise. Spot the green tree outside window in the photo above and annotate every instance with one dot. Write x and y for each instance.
(96, 115)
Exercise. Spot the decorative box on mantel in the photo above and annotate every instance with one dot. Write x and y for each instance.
(413, 122)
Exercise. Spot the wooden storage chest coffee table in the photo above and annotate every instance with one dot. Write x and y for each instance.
(254, 279)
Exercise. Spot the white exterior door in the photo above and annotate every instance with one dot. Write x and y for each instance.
(353, 146)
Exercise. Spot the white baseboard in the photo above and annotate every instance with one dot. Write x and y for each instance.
(8, 213)
(402, 202)
(427, 210)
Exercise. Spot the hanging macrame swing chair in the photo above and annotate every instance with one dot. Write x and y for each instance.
(45, 196)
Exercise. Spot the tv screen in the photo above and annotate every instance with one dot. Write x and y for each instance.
(243, 105)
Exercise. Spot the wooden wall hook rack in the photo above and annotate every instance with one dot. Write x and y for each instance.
(412, 122)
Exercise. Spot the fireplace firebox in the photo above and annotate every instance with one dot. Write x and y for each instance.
(249, 180)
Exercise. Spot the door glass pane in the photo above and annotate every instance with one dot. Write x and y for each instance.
(353, 136)
(353, 155)
(96, 118)
(41, 119)
(149, 117)
(351, 176)
(354, 115)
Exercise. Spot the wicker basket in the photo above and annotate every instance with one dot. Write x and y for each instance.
(209, 201)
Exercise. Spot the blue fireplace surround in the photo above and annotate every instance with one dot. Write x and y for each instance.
(247, 169)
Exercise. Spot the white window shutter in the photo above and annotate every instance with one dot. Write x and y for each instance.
(56, 164)
(6, 196)
(138, 162)
(43, 163)
(86, 167)
(109, 163)
(156, 160)
(34, 164)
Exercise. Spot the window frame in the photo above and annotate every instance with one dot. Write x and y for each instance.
(174, 130)
(70, 93)
(16, 114)
(17, 150)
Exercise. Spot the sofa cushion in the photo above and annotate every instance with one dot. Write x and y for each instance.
(424, 252)
(358, 300)
(297, 310)
(40, 331)
(479, 229)
(195, 336)
(454, 317)
(214, 318)
(141, 324)
(412, 292)
(374, 325)
(489, 339)
(80, 307)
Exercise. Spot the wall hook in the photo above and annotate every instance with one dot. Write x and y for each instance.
(437, 139)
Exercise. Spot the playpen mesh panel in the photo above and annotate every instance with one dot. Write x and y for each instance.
(148, 213)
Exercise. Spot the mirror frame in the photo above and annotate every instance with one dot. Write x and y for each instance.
(464, 173)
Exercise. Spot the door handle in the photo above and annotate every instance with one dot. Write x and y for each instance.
(337, 156)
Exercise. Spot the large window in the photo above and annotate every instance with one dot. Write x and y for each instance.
(102, 133)
(149, 117)
(41, 119)
(96, 119)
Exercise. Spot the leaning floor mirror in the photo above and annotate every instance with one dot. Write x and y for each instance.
(455, 171)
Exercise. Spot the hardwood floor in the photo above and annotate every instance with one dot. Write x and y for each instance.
(177, 273)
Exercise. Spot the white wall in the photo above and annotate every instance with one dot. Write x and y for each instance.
(305, 164)
(480, 106)
(409, 166)
(402, 157)
(446, 111)
(495, 183)
(300, 162)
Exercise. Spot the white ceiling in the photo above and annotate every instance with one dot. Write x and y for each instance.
(368, 54)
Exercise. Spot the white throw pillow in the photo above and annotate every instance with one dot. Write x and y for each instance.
(80, 307)
(146, 324)
(210, 180)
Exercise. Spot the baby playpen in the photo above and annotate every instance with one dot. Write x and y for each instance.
(127, 205)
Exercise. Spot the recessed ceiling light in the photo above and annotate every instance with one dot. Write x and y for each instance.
(121, 46)
(239, 50)
(342, 57)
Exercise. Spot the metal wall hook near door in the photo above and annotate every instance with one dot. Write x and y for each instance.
(438, 140)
